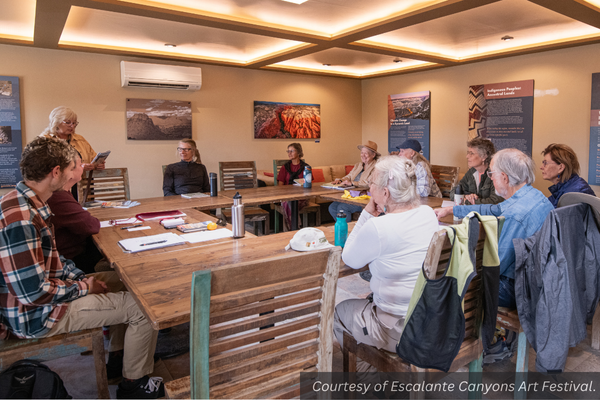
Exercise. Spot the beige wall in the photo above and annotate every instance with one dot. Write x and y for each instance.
(562, 118)
(222, 111)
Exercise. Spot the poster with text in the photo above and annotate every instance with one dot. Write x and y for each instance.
(594, 169)
(503, 113)
(10, 132)
(408, 118)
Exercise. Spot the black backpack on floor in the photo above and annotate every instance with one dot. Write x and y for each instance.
(30, 379)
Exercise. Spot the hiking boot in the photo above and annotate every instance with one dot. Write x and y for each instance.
(366, 275)
(497, 352)
(144, 388)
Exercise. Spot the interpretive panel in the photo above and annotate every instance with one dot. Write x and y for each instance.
(10, 132)
(408, 118)
(594, 169)
(503, 113)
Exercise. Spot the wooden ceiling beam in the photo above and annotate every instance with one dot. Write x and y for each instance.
(404, 53)
(50, 19)
(575, 9)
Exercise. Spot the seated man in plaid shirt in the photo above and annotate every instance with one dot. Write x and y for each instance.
(42, 294)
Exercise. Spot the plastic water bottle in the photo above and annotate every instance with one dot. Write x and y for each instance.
(341, 229)
(308, 176)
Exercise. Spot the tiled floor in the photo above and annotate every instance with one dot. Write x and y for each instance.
(79, 377)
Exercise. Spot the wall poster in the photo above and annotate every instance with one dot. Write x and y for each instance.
(286, 120)
(503, 113)
(158, 119)
(594, 167)
(408, 118)
(11, 145)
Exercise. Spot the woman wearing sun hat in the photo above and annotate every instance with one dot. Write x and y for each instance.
(359, 176)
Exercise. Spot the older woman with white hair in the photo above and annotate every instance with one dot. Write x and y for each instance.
(63, 122)
(394, 245)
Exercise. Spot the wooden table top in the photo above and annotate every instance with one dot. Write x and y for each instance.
(107, 239)
(275, 194)
(161, 284)
(153, 204)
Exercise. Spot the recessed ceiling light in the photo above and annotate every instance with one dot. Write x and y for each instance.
(506, 38)
(296, 1)
(325, 65)
(170, 45)
(397, 60)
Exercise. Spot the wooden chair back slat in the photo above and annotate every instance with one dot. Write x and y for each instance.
(445, 177)
(236, 175)
(110, 184)
(267, 320)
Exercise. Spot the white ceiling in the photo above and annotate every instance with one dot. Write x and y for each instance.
(357, 38)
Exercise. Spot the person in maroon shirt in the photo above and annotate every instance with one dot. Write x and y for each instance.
(291, 170)
(74, 226)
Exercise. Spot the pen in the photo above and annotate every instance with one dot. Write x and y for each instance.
(148, 244)
(132, 226)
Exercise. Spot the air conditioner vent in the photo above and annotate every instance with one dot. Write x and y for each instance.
(160, 76)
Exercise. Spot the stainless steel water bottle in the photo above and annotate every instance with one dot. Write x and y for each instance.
(237, 217)
(213, 184)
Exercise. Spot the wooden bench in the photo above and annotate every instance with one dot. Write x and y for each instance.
(58, 346)
(471, 350)
(256, 326)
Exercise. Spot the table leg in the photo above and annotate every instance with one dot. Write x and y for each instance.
(294, 211)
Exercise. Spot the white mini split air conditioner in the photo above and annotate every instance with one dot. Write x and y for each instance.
(160, 76)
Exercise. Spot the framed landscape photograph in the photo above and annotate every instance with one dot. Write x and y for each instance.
(286, 120)
(159, 119)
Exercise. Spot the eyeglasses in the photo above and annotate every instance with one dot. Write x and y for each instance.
(490, 173)
(73, 124)
(470, 153)
(184, 149)
(546, 163)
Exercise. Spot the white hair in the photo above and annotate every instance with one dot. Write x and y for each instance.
(58, 115)
(518, 166)
(398, 174)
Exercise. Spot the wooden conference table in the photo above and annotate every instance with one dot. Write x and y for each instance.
(160, 279)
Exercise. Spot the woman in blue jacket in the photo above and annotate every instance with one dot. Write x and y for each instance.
(561, 167)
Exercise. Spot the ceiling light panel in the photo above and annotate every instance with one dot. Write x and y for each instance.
(17, 19)
(352, 62)
(474, 32)
(322, 17)
(86, 27)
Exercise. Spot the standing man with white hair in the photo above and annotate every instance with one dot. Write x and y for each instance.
(524, 211)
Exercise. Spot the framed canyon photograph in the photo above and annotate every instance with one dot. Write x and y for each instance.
(159, 119)
(286, 120)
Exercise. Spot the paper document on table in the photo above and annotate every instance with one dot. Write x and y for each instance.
(143, 243)
(105, 224)
(205, 236)
(447, 203)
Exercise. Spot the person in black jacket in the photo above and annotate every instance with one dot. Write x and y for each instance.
(187, 176)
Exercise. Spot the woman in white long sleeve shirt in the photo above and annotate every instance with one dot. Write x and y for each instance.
(394, 245)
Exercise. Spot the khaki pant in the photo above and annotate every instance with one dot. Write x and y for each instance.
(137, 338)
(383, 329)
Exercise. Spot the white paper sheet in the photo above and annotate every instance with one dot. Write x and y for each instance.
(143, 243)
(141, 228)
(447, 203)
(105, 224)
(205, 236)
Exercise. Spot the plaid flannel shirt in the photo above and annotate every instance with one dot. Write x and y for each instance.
(36, 282)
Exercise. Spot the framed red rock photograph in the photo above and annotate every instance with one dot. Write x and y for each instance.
(286, 120)
(159, 119)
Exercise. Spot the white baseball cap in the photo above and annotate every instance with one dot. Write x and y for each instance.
(307, 239)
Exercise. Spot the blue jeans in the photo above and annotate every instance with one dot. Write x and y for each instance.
(506, 293)
(348, 210)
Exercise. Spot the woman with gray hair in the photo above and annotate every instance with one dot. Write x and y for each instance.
(63, 122)
(477, 187)
(394, 245)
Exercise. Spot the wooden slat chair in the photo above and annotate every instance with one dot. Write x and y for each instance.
(256, 325)
(509, 319)
(471, 350)
(58, 346)
(445, 177)
(110, 184)
(236, 175)
(311, 207)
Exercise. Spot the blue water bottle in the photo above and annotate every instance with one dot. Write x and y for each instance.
(308, 176)
(341, 229)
